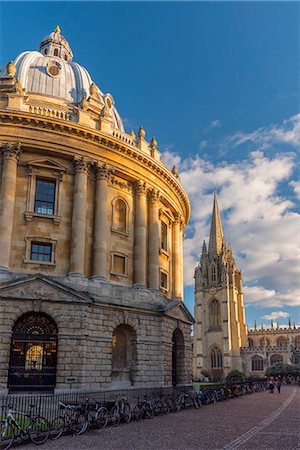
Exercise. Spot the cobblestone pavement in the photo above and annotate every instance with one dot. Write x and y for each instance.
(256, 421)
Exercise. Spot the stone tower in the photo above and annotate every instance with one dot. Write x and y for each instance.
(220, 329)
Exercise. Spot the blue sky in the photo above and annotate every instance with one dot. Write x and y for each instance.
(218, 86)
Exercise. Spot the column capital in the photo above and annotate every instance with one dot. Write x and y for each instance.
(140, 187)
(81, 164)
(103, 172)
(178, 218)
(12, 150)
(154, 195)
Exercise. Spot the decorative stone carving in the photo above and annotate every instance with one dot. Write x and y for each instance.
(94, 89)
(153, 143)
(103, 171)
(11, 69)
(132, 134)
(175, 171)
(12, 151)
(155, 195)
(140, 187)
(141, 133)
(81, 165)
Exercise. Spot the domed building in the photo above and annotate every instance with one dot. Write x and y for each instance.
(91, 230)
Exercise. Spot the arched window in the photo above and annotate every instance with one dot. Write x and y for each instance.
(214, 314)
(66, 58)
(216, 358)
(124, 355)
(33, 353)
(213, 273)
(250, 342)
(262, 342)
(281, 342)
(55, 53)
(120, 215)
(297, 342)
(257, 363)
(45, 51)
(276, 359)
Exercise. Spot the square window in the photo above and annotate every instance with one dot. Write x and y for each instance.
(41, 252)
(44, 201)
(119, 264)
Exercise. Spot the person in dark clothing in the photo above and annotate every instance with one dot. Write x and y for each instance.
(278, 384)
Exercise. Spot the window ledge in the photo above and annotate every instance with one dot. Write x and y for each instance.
(124, 275)
(39, 263)
(30, 215)
(123, 233)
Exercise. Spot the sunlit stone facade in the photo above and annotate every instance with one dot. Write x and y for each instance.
(91, 231)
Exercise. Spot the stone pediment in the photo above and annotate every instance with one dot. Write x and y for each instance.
(46, 163)
(177, 310)
(42, 288)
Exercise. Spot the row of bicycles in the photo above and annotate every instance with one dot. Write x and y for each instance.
(76, 418)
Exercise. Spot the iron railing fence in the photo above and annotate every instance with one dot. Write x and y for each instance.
(47, 405)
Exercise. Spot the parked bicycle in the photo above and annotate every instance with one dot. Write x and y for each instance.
(18, 425)
(143, 408)
(73, 419)
(120, 411)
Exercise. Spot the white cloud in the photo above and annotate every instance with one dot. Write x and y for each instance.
(215, 123)
(288, 132)
(202, 144)
(296, 186)
(258, 220)
(275, 315)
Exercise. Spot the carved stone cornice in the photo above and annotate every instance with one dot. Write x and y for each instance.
(82, 164)
(12, 150)
(103, 171)
(140, 187)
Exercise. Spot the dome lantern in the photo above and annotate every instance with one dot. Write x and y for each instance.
(56, 45)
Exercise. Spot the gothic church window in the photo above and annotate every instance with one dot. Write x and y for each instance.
(213, 273)
(214, 314)
(257, 363)
(276, 359)
(281, 342)
(297, 342)
(216, 358)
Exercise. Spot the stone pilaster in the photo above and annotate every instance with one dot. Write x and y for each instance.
(154, 240)
(101, 230)
(177, 252)
(10, 155)
(81, 167)
(140, 235)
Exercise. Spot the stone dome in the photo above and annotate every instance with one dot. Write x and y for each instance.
(51, 72)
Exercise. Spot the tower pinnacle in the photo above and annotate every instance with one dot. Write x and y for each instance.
(216, 232)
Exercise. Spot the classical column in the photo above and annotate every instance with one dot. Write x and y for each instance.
(154, 240)
(140, 235)
(101, 230)
(10, 158)
(81, 167)
(177, 239)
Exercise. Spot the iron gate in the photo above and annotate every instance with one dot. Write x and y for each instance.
(33, 354)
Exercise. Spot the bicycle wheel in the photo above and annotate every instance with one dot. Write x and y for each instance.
(101, 417)
(6, 436)
(149, 410)
(39, 430)
(57, 427)
(158, 408)
(176, 406)
(80, 423)
(126, 414)
(138, 413)
(115, 417)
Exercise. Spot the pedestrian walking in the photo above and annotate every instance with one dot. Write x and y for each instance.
(271, 385)
(278, 384)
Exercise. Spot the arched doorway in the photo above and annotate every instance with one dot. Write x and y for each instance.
(177, 357)
(124, 356)
(33, 353)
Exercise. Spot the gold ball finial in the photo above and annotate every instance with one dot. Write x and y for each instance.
(57, 29)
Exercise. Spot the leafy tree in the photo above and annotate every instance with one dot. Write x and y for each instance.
(282, 370)
(235, 375)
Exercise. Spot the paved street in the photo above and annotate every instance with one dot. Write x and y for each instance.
(256, 421)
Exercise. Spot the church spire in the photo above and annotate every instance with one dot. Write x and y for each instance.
(216, 232)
